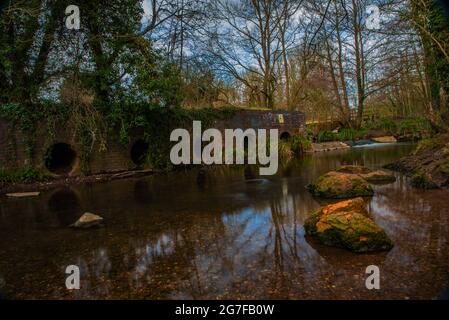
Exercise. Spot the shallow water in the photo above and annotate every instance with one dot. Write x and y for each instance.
(176, 236)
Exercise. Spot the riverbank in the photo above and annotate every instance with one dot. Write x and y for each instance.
(338, 145)
(57, 182)
(428, 166)
(38, 182)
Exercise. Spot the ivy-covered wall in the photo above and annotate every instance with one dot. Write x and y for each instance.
(28, 146)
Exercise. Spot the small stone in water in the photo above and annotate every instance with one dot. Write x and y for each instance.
(88, 220)
(22, 194)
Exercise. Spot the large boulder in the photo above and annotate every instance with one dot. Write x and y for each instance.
(88, 220)
(346, 224)
(338, 185)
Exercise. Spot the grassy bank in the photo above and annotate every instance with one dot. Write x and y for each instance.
(409, 129)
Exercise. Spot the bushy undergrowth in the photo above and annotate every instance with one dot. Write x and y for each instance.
(409, 128)
(294, 146)
(23, 175)
(345, 134)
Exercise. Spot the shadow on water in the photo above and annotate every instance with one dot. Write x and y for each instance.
(444, 295)
(222, 233)
(65, 205)
(142, 192)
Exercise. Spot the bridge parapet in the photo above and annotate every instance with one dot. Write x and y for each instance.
(288, 123)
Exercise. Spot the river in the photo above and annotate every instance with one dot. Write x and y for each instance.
(174, 236)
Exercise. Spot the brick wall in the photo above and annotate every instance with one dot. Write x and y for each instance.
(289, 122)
(14, 153)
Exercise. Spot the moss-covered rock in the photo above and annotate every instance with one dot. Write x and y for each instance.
(368, 174)
(354, 169)
(337, 185)
(379, 176)
(346, 224)
(423, 181)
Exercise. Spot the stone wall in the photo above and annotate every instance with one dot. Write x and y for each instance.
(15, 152)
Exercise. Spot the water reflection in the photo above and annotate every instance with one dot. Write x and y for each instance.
(65, 205)
(165, 237)
(142, 193)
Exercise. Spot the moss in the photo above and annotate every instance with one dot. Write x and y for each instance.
(340, 186)
(445, 168)
(347, 225)
(310, 224)
(24, 175)
(415, 128)
(354, 169)
(360, 187)
(428, 145)
(420, 180)
(368, 174)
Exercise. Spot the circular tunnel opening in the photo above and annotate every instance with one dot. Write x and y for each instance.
(139, 152)
(60, 158)
(285, 136)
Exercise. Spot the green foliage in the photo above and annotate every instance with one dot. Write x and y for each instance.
(324, 136)
(420, 180)
(153, 122)
(345, 134)
(426, 144)
(350, 134)
(417, 127)
(157, 123)
(413, 128)
(386, 124)
(26, 117)
(445, 168)
(285, 152)
(23, 175)
(300, 144)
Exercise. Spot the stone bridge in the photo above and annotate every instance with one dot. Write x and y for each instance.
(60, 155)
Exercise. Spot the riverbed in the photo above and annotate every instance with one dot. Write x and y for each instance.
(182, 235)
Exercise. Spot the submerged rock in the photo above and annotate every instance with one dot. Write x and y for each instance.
(346, 224)
(338, 185)
(88, 220)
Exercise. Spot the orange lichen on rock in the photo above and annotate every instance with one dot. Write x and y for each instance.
(340, 185)
(347, 224)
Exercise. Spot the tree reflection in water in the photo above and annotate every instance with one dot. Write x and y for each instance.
(166, 238)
